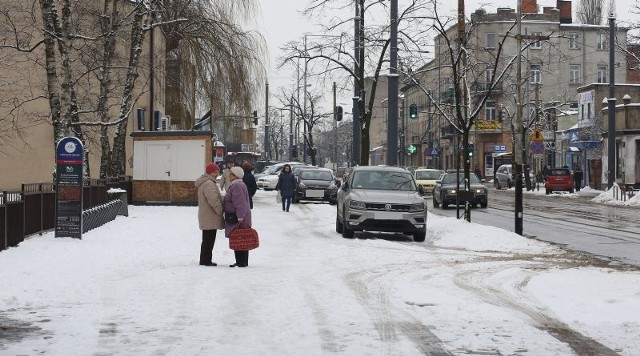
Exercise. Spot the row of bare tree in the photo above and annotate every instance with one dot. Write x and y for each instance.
(89, 54)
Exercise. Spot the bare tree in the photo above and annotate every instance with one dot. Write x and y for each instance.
(331, 58)
(590, 12)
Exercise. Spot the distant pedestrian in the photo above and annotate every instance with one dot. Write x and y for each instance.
(250, 181)
(478, 173)
(545, 172)
(225, 181)
(286, 186)
(209, 212)
(577, 178)
(237, 211)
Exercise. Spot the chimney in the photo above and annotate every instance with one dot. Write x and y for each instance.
(565, 11)
(529, 7)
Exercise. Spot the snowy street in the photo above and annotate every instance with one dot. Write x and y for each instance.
(134, 286)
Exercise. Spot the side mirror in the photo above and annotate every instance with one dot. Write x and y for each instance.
(421, 189)
(338, 183)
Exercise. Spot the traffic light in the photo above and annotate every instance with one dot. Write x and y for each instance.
(411, 149)
(471, 149)
(339, 113)
(413, 111)
(255, 117)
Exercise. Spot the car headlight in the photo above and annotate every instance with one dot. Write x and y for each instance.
(358, 205)
(302, 186)
(481, 191)
(450, 191)
(414, 208)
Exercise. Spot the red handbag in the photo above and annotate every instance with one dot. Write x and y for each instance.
(243, 239)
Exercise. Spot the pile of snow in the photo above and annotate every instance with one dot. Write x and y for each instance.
(612, 196)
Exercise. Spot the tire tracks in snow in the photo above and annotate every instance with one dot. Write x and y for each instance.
(372, 288)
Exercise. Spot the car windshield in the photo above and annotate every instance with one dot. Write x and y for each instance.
(428, 175)
(316, 175)
(451, 178)
(559, 172)
(383, 180)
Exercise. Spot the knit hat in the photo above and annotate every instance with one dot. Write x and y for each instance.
(212, 167)
(237, 171)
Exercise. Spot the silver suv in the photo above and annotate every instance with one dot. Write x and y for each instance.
(386, 199)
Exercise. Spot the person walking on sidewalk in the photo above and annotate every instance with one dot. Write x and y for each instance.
(286, 186)
(250, 181)
(225, 181)
(237, 211)
(209, 212)
(577, 178)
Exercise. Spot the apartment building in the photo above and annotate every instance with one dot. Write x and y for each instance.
(27, 148)
(560, 57)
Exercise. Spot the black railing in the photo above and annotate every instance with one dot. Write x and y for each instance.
(32, 209)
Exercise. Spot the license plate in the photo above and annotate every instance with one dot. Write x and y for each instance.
(314, 194)
(386, 215)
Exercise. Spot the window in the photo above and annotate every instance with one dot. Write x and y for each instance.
(602, 41)
(574, 37)
(488, 74)
(490, 110)
(491, 40)
(536, 73)
(602, 74)
(536, 44)
(574, 74)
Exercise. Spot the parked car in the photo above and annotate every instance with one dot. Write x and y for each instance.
(427, 178)
(269, 178)
(505, 177)
(559, 179)
(314, 183)
(378, 198)
(446, 193)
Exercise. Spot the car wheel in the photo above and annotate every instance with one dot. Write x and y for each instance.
(484, 205)
(419, 236)
(474, 205)
(346, 232)
(548, 191)
(571, 191)
(444, 204)
(339, 225)
(509, 184)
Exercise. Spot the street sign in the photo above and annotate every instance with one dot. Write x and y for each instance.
(550, 145)
(69, 183)
(411, 149)
(537, 147)
(536, 136)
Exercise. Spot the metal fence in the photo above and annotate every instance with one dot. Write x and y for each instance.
(32, 209)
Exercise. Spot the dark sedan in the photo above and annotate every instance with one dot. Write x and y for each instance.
(446, 193)
(317, 184)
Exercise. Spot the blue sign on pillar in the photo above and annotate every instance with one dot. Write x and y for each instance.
(69, 183)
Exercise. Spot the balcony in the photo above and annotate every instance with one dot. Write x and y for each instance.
(482, 87)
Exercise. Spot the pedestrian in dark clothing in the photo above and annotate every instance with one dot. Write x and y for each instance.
(209, 212)
(236, 202)
(286, 186)
(478, 173)
(577, 178)
(545, 172)
(250, 181)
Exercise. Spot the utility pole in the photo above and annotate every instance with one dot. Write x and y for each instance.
(611, 106)
(267, 153)
(355, 146)
(392, 122)
(291, 129)
(517, 149)
(335, 130)
(304, 110)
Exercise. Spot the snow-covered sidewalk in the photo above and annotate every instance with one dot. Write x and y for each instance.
(134, 286)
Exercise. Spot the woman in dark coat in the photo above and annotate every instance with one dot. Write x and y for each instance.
(286, 186)
(236, 201)
(250, 181)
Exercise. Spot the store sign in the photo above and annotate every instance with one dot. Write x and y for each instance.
(69, 182)
(487, 125)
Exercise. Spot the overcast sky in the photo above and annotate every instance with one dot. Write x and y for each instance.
(282, 22)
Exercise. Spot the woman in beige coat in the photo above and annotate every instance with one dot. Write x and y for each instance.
(209, 212)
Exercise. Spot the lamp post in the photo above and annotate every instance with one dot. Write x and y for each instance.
(611, 134)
